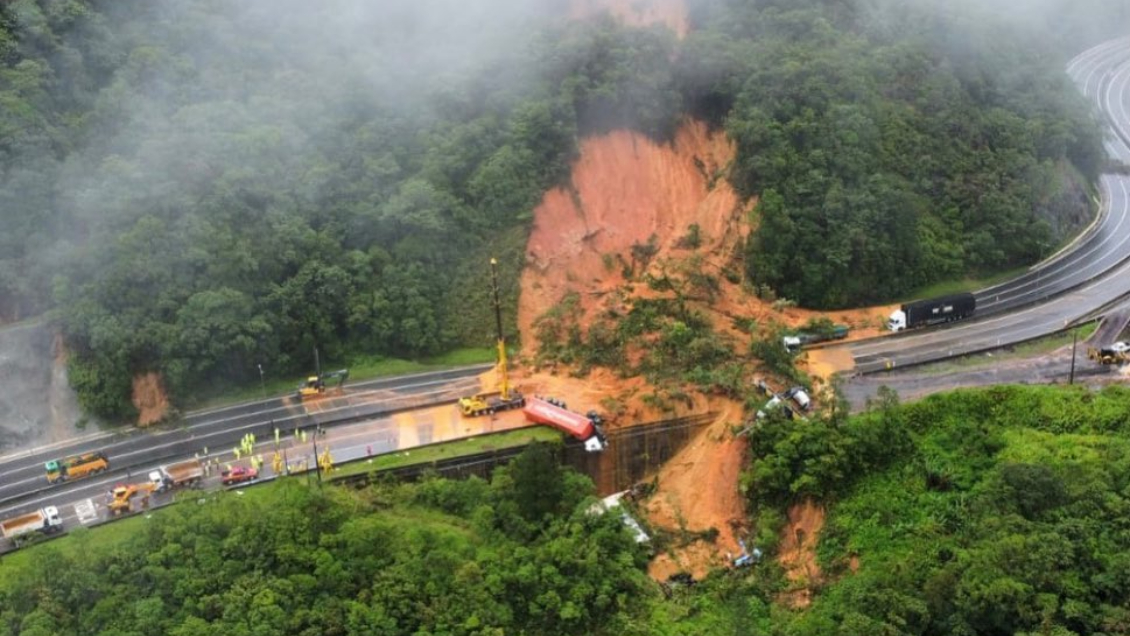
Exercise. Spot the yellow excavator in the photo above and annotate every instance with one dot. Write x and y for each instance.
(486, 404)
(122, 497)
(315, 386)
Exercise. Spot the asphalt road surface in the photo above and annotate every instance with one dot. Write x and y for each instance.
(83, 502)
(1076, 284)
(1053, 368)
(22, 475)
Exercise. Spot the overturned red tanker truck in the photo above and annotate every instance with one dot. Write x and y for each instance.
(550, 412)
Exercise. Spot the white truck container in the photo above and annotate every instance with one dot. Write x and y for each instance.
(188, 473)
(45, 520)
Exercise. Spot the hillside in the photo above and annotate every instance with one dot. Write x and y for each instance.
(198, 189)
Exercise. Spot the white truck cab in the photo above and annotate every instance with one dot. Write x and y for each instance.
(897, 321)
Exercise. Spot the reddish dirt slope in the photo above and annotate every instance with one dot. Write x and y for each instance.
(798, 552)
(150, 399)
(672, 13)
(626, 188)
(697, 491)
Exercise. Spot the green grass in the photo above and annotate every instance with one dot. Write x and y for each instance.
(360, 368)
(964, 285)
(447, 450)
(1032, 348)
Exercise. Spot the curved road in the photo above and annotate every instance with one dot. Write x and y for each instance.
(1073, 285)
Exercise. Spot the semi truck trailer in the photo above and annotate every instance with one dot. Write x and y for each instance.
(553, 413)
(921, 313)
(45, 520)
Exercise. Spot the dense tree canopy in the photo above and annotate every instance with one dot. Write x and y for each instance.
(992, 511)
(892, 147)
(438, 558)
(198, 187)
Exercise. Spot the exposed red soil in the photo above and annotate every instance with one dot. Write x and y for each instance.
(698, 491)
(625, 191)
(150, 399)
(672, 13)
(798, 551)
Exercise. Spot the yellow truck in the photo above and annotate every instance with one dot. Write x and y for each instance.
(76, 466)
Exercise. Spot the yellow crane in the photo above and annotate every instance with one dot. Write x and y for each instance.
(484, 403)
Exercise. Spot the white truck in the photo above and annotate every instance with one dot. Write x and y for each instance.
(45, 520)
(612, 503)
(188, 473)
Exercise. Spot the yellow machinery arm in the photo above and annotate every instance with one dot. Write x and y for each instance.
(485, 404)
(498, 324)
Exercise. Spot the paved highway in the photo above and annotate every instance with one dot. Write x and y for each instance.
(83, 502)
(1072, 285)
(22, 475)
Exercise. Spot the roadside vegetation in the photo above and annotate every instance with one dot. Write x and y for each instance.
(979, 511)
(519, 554)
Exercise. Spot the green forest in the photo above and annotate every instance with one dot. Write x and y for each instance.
(991, 511)
(199, 187)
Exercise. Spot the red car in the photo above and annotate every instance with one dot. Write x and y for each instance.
(238, 475)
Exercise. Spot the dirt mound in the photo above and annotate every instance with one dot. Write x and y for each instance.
(150, 399)
(798, 551)
(672, 13)
(698, 493)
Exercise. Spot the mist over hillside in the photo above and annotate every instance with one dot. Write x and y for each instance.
(197, 188)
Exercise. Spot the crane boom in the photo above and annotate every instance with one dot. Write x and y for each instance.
(485, 404)
(498, 324)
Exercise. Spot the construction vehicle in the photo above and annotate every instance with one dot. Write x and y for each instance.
(45, 520)
(315, 386)
(189, 473)
(506, 399)
(124, 496)
(1117, 353)
(586, 428)
(76, 466)
(932, 311)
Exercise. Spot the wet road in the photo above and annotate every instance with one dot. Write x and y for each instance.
(22, 475)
